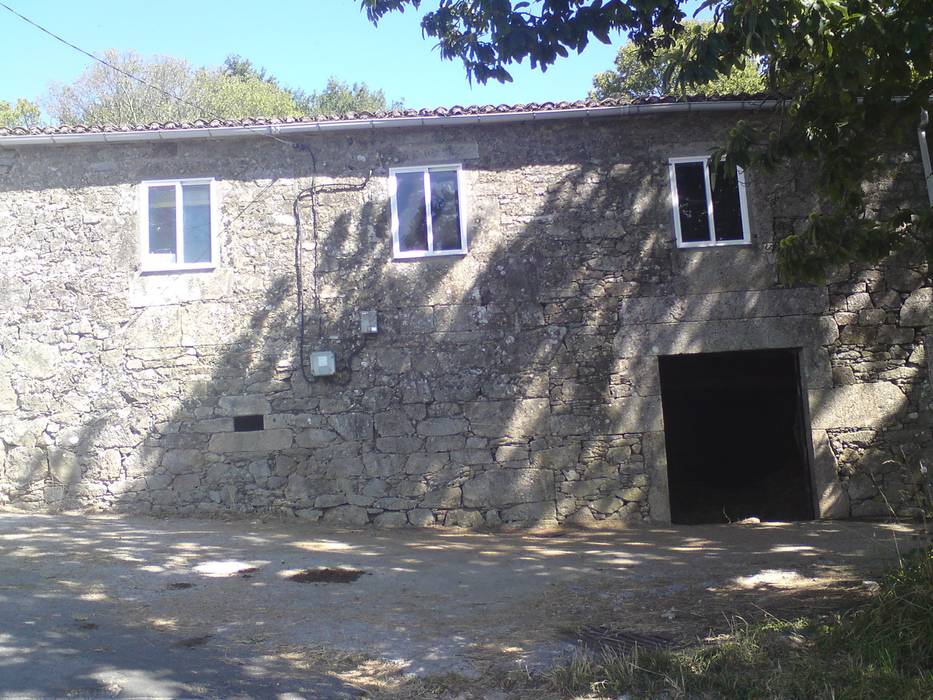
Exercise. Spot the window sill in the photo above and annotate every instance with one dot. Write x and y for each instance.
(420, 254)
(712, 244)
(168, 269)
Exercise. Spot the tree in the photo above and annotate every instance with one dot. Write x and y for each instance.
(102, 95)
(172, 90)
(22, 113)
(633, 77)
(233, 97)
(855, 76)
(235, 66)
(339, 97)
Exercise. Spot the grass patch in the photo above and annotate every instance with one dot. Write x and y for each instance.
(881, 649)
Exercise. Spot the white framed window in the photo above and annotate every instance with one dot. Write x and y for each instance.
(428, 213)
(705, 215)
(178, 224)
(925, 137)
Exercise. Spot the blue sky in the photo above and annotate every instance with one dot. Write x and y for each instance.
(302, 43)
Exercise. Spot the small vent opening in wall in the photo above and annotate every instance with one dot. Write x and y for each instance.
(247, 424)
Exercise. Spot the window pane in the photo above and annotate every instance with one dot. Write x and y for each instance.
(691, 201)
(162, 221)
(412, 217)
(445, 210)
(196, 220)
(727, 212)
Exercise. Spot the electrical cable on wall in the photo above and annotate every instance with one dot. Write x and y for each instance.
(310, 194)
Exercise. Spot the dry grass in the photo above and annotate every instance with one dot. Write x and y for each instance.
(882, 649)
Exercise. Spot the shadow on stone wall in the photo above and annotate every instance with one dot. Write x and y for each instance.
(516, 384)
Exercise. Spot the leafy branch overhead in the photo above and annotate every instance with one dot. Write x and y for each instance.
(634, 77)
(488, 35)
(855, 75)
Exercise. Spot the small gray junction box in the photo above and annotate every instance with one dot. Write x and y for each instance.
(369, 322)
(323, 363)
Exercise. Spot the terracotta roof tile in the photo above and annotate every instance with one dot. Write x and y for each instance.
(455, 110)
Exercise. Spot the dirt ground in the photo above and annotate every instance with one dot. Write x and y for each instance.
(111, 606)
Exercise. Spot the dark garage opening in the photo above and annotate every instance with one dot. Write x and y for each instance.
(735, 436)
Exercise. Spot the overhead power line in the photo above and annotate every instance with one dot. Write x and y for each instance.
(136, 78)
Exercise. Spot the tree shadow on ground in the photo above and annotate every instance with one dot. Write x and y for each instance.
(92, 602)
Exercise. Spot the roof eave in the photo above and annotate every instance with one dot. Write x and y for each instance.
(282, 130)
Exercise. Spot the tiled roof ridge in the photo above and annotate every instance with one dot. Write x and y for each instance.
(453, 111)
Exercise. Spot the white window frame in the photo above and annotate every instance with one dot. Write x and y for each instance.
(397, 253)
(675, 202)
(160, 263)
(922, 134)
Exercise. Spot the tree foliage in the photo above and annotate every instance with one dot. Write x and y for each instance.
(102, 95)
(634, 77)
(233, 97)
(339, 97)
(235, 66)
(855, 76)
(22, 113)
(488, 35)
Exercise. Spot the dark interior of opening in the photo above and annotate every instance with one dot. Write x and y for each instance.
(735, 436)
(247, 424)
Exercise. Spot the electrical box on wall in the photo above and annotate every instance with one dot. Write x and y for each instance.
(323, 363)
(369, 322)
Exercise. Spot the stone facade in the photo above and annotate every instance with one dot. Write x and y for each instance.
(515, 384)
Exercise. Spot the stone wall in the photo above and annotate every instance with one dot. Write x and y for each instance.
(518, 383)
